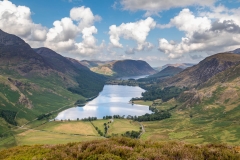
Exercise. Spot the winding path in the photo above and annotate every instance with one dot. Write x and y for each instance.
(143, 129)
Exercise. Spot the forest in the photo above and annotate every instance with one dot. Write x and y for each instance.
(165, 94)
(8, 116)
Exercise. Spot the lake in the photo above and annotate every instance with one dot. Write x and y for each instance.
(113, 100)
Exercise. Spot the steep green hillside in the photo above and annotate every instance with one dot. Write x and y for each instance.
(91, 64)
(167, 72)
(38, 82)
(203, 71)
(208, 111)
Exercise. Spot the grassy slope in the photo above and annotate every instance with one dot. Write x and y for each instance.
(45, 98)
(141, 102)
(105, 70)
(122, 148)
(214, 120)
(57, 133)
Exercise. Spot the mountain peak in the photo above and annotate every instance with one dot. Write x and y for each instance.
(9, 39)
(236, 51)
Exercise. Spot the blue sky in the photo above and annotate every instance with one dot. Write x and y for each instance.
(158, 32)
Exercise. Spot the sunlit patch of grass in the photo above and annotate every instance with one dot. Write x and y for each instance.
(141, 102)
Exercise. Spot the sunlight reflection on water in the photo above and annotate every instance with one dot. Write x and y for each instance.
(113, 100)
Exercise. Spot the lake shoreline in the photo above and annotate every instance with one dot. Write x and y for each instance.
(112, 100)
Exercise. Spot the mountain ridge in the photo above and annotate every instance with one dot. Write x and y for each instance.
(40, 81)
(166, 72)
(179, 65)
(128, 67)
(204, 70)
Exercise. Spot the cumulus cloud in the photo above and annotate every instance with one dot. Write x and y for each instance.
(83, 16)
(202, 34)
(137, 31)
(17, 20)
(154, 6)
(62, 37)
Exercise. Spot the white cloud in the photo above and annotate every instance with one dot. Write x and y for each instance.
(17, 20)
(62, 31)
(83, 16)
(137, 31)
(62, 37)
(88, 45)
(202, 34)
(187, 22)
(153, 6)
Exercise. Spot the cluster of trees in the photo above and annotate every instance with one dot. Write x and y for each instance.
(80, 102)
(165, 94)
(42, 116)
(154, 116)
(153, 109)
(129, 82)
(107, 117)
(99, 131)
(131, 134)
(88, 119)
(8, 116)
(106, 127)
(114, 116)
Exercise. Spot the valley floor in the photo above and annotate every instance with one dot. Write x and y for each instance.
(62, 132)
(195, 126)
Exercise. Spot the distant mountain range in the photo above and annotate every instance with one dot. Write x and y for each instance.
(179, 65)
(122, 68)
(94, 63)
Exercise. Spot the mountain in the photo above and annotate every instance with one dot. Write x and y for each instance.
(236, 51)
(39, 81)
(89, 83)
(123, 68)
(203, 71)
(78, 64)
(17, 55)
(167, 72)
(58, 62)
(179, 65)
(91, 64)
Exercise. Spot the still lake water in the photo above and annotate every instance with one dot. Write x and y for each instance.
(113, 100)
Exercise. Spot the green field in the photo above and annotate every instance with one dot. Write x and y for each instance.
(61, 132)
(57, 133)
(118, 126)
(141, 102)
(32, 137)
(198, 129)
